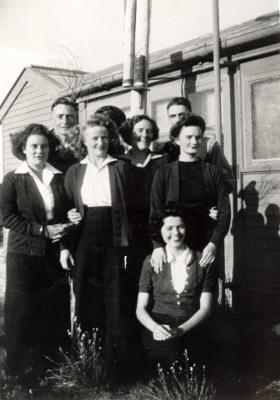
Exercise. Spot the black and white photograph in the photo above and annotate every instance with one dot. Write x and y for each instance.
(139, 200)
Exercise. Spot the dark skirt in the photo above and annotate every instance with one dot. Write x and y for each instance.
(37, 310)
(100, 282)
(195, 343)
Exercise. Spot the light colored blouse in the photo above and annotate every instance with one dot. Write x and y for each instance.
(179, 269)
(96, 190)
(43, 186)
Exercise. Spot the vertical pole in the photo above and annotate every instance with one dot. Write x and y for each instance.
(129, 42)
(139, 91)
(217, 78)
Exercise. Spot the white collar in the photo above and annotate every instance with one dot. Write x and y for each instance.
(186, 256)
(150, 156)
(105, 162)
(25, 169)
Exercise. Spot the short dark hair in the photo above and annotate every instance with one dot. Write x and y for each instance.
(20, 138)
(191, 120)
(66, 101)
(127, 127)
(109, 124)
(114, 113)
(180, 101)
(171, 210)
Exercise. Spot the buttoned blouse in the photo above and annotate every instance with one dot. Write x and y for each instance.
(95, 189)
(160, 286)
(179, 271)
(43, 185)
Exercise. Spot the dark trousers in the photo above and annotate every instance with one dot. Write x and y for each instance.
(37, 310)
(100, 284)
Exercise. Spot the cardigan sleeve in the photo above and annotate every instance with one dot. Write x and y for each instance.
(157, 198)
(216, 156)
(12, 218)
(224, 213)
(145, 281)
(69, 183)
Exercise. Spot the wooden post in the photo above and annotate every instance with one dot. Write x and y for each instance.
(129, 42)
(217, 78)
(141, 69)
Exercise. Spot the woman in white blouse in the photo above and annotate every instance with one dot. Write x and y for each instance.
(103, 191)
(181, 294)
(34, 205)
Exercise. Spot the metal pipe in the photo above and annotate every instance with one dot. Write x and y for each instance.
(217, 77)
(234, 39)
(129, 43)
(139, 91)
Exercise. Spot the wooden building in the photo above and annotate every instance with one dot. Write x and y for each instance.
(250, 80)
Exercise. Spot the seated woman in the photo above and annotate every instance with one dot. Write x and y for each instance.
(34, 205)
(181, 294)
(102, 190)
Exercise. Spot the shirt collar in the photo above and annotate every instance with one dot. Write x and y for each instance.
(187, 256)
(107, 161)
(25, 169)
(151, 156)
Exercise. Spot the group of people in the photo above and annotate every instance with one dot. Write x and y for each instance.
(138, 231)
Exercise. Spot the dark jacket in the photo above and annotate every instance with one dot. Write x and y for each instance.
(210, 151)
(24, 213)
(165, 189)
(124, 196)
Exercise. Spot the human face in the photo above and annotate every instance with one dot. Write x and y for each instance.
(64, 119)
(97, 141)
(142, 135)
(177, 113)
(173, 232)
(189, 140)
(36, 151)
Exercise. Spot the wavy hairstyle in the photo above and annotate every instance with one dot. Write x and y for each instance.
(109, 124)
(171, 210)
(127, 127)
(20, 138)
(191, 120)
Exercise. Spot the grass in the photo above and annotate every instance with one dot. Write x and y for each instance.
(81, 370)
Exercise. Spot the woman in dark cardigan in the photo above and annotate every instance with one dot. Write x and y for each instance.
(34, 205)
(195, 185)
(139, 132)
(181, 295)
(103, 191)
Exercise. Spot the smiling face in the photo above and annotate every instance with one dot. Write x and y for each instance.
(97, 141)
(189, 140)
(142, 135)
(173, 232)
(36, 151)
(64, 119)
(176, 113)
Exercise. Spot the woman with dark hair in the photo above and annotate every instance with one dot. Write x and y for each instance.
(181, 294)
(34, 205)
(195, 185)
(102, 190)
(139, 132)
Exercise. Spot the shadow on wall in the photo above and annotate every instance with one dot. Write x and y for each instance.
(256, 275)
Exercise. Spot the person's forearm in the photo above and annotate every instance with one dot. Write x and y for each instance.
(146, 320)
(200, 316)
